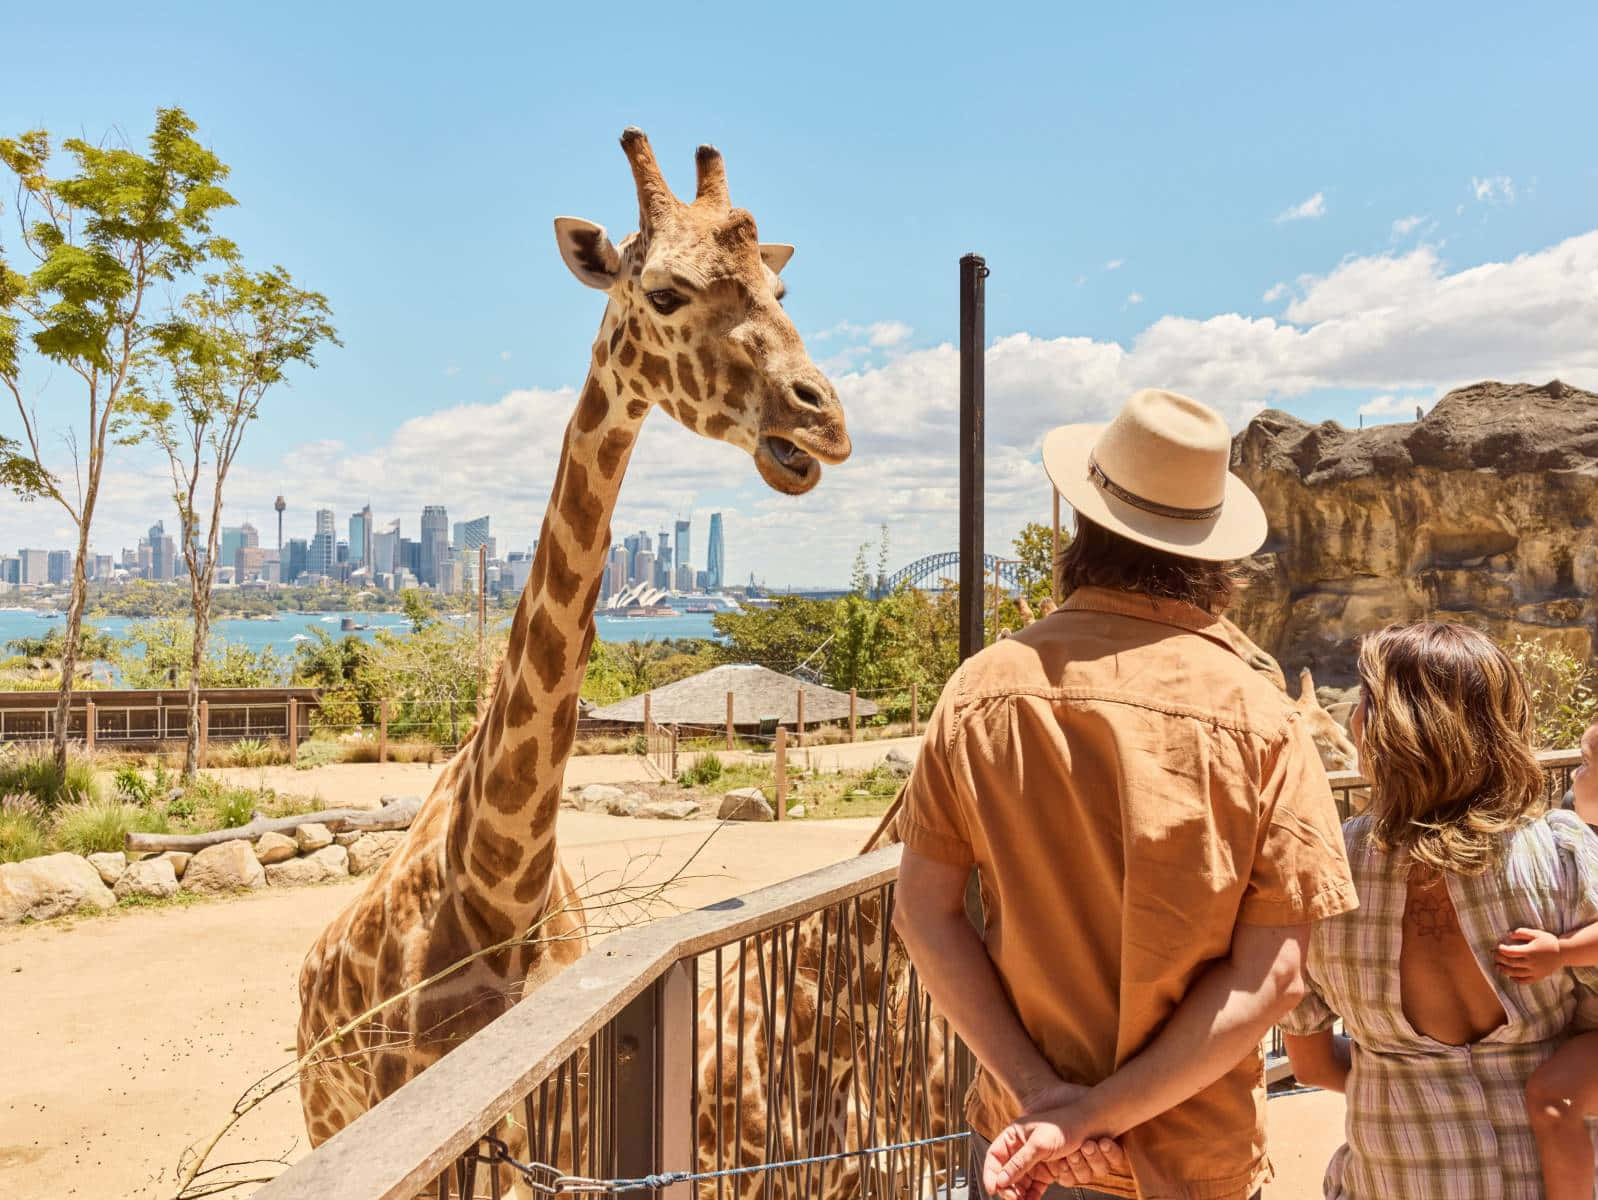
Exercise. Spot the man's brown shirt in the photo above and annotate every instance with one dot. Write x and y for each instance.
(1130, 791)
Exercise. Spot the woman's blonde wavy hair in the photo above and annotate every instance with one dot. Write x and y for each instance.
(1446, 746)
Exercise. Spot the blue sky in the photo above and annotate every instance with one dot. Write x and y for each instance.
(1140, 183)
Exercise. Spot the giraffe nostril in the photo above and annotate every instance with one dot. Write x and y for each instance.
(807, 395)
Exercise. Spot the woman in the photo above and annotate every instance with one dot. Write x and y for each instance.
(1455, 853)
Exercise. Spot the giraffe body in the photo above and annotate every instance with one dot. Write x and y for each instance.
(473, 910)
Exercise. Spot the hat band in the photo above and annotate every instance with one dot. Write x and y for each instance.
(1153, 507)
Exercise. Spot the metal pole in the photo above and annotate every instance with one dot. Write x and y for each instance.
(205, 732)
(780, 770)
(294, 731)
(973, 270)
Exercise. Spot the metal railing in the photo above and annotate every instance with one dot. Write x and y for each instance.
(777, 1026)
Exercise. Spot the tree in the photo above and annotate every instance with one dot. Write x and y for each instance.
(101, 238)
(416, 609)
(212, 363)
(160, 654)
(1034, 546)
(780, 637)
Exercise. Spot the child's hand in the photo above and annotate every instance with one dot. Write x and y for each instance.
(1529, 956)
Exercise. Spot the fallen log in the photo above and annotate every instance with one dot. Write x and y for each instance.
(397, 815)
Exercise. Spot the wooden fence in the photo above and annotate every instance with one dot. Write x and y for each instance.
(132, 718)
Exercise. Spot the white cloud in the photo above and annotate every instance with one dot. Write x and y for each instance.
(1115, 264)
(1402, 407)
(1402, 328)
(1274, 293)
(1405, 226)
(1494, 189)
(887, 333)
(504, 356)
(1307, 210)
(1134, 298)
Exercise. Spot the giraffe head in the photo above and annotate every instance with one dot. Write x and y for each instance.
(698, 323)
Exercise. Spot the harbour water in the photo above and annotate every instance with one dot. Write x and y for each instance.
(284, 632)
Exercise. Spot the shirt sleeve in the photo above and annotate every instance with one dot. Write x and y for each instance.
(934, 820)
(1578, 853)
(1300, 871)
(1313, 1014)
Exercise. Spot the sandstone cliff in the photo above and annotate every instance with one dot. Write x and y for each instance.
(1482, 512)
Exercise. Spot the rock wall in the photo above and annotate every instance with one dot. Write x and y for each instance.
(1482, 512)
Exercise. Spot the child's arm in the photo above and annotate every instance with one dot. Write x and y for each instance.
(1531, 955)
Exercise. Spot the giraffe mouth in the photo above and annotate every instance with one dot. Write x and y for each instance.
(787, 467)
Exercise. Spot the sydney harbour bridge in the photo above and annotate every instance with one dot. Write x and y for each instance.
(932, 570)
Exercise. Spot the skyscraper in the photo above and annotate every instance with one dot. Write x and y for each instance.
(620, 569)
(385, 549)
(663, 575)
(323, 552)
(715, 556)
(278, 506)
(228, 551)
(361, 537)
(680, 544)
(295, 557)
(35, 566)
(59, 566)
(435, 543)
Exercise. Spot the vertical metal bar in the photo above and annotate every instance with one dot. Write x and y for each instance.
(973, 270)
(205, 732)
(294, 731)
(780, 767)
(729, 721)
(382, 730)
(721, 1104)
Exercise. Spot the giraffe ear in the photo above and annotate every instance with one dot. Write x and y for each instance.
(588, 252)
(775, 255)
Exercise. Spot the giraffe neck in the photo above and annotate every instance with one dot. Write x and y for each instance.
(501, 843)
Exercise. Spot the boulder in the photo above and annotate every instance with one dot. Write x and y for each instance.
(600, 797)
(275, 848)
(797, 812)
(625, 805)
(179, 860)
(667, 810)
(347, 839)
(313, 837)
(224, 867)
(745, 804)
(371, 850)
(321, 866)
(51, 885)
(110, 864)
(153, 877)
(1480, 512)
(897, 761)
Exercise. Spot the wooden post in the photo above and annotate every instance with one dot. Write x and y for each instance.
(649, 725)
(205, 732)
(780, 768)
(654, 1069)
(799, 724)
(382, 731)
(1054, 552)
(294, 731)
(88, 726)
(729, 722)
(674, 732)
(853, 709)
(915, 714)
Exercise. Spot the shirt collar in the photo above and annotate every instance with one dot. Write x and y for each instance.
(1176, 613)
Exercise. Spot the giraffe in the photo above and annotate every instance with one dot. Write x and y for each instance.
(693, 325)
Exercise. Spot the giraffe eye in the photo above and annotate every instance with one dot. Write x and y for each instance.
(665, 301)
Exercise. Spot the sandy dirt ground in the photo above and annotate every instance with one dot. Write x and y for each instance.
(129, 1037)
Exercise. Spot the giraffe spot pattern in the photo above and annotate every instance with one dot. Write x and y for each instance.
(562, 581)
(608, 458)
(493, 857)
(655, 370)
(591, 409)
(688, 415)
(529, 885)
(707, 368)
(628, 355)
(717, 424)
(549, 648)
(580, 507)
(637, 408)
(685, 378)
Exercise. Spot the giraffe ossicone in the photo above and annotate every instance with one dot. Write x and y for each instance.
(474, 909)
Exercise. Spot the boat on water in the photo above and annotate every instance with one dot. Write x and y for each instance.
(349, 624)
(299, 637)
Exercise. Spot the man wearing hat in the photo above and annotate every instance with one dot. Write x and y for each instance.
(1153, 833)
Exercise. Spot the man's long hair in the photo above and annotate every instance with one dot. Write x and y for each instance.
(1095, 557)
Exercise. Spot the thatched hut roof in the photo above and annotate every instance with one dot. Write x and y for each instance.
(757, 693)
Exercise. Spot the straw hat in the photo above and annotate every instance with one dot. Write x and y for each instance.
(1158, 474)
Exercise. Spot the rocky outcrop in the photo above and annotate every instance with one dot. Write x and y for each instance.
(371, 850)
(320, 866)
(273, 848)
(1482, 512)
(223, 868)
(154, 878)
(745, 804)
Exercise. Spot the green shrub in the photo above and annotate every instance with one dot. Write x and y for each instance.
(36, 775)
(704, 772)
(234, 807)
(92, 826)
(250, 752)
(132, 787)
(180, 807)
(22, 832)
(1560, 687)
